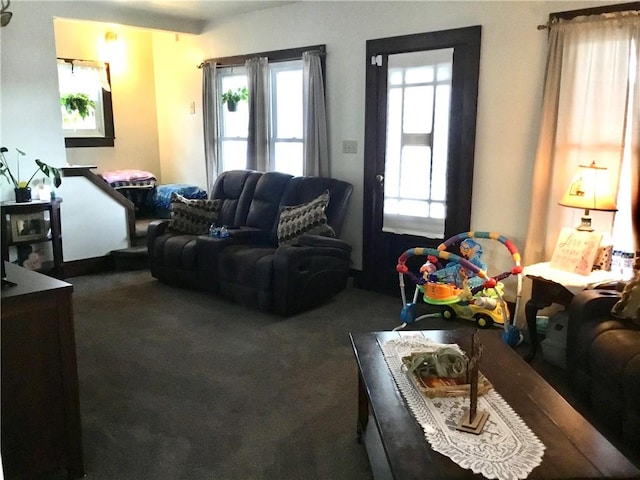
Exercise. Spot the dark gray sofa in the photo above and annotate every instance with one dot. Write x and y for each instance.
(249, 266)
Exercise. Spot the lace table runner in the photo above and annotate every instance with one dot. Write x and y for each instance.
(506, 449)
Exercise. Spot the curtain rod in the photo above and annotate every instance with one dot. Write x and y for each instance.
(571, 14)
(273, 56)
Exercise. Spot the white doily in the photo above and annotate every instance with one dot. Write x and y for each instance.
(506, 449)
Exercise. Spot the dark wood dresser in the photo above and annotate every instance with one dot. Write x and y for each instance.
(40, 403)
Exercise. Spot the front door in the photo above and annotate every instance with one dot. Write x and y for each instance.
(421, 95)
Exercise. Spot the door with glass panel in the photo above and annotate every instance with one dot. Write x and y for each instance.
(419, 146)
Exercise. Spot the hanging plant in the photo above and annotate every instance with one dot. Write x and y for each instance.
(78, 102)
(232, 98)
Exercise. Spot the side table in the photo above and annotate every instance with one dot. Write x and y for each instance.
(550, 285)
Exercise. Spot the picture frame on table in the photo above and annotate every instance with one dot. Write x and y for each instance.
(28, 227)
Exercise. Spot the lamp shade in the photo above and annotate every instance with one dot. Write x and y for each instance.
(590, 189)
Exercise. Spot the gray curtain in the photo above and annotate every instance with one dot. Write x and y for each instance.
(258, 140)
(316, 149)
(210, 121)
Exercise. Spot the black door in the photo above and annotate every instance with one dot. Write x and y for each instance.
(421, 94)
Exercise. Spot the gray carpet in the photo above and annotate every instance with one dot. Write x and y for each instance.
(178, 384)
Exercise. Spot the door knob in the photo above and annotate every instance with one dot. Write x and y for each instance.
(380, 178)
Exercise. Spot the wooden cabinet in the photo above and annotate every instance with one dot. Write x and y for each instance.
(40, 431)
(31, 223)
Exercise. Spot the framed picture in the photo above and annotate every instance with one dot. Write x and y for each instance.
(29, 226)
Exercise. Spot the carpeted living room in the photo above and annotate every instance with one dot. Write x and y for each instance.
(319, 240)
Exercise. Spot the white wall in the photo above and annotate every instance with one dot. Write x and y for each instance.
(511, 75)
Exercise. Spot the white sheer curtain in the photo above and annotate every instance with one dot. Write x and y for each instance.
(591, 112)
(258, 138)
(316, 149)
(210, 121)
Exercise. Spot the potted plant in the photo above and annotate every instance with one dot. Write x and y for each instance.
(21, 188)
(77, 102)
(232, 98)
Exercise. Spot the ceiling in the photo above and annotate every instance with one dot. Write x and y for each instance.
(203, 10)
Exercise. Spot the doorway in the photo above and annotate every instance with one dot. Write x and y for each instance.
(420, 123)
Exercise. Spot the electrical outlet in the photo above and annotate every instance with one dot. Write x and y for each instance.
(349, 146)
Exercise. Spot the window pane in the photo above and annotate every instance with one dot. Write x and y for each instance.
(81, 98)
(394, 143)
(233, 124)
(234, 155)
(415, 172)
(288, 157)
(418, 103)
(288, 104)
(419, 74)
(395, 76)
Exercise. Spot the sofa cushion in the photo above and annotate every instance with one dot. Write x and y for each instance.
(308, 218)
(193, 216)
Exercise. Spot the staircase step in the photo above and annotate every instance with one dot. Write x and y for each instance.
(132, 258)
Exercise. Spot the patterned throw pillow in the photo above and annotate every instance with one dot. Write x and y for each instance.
(193, 216)
(305, 218)
(628, 307)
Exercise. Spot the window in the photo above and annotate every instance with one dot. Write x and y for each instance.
(418, 103)
(590, 113)
(85, 103)
(286, 137)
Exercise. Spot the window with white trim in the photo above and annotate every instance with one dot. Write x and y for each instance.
(85, 103)
(286, 138)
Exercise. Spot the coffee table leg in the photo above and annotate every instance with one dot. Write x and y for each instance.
(363, 409)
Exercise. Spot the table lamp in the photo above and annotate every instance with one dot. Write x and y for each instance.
(590, 189)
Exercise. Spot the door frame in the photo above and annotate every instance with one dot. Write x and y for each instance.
(462, 130)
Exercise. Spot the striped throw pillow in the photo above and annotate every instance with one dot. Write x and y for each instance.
(193, 216)
(305, 218)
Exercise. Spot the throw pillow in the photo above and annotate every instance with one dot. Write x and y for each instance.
(193, 216)
(628, 307)
(305, 218)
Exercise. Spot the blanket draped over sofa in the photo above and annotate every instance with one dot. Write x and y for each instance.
(255, 265)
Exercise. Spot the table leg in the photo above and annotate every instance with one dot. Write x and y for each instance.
(531, 312)
(363, 409)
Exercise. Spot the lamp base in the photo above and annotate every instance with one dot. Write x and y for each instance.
(585, 226)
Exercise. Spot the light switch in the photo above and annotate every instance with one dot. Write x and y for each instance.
(192, 108)
(349, 146)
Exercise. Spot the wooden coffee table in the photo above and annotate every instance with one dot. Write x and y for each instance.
(398, 449)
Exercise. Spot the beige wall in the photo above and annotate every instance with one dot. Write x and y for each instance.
(133, 93)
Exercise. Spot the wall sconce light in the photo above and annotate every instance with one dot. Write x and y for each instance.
(590, 189)
(5, 17)
(113, 51)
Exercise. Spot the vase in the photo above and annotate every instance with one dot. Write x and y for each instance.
(22, 194)
(231, 105)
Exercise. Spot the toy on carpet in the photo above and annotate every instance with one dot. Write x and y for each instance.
(462, 285)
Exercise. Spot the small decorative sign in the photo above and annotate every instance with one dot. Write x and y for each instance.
(473, 420)
(575, 251)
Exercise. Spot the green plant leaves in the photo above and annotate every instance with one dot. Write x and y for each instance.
(231, 96)
(46, 169)
(78, 102)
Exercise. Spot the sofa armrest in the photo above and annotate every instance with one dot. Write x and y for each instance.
(155, 229)
(307, 240)
(306, 276)
(592, 304)
(589, 316)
